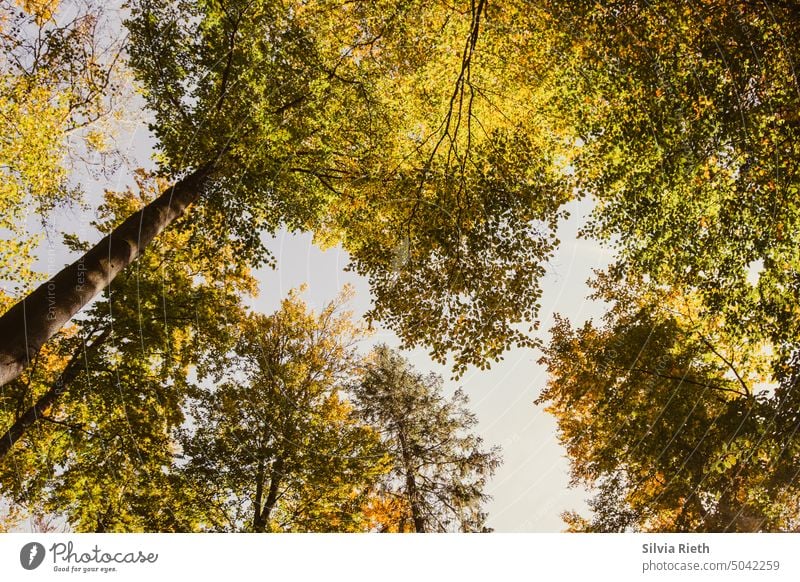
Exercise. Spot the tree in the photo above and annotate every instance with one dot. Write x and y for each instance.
(675, 424)
(271, 444)
(439, 467)
(57, 84)
(686, 125)
(88, 429)
(412, 161)
(689, 129)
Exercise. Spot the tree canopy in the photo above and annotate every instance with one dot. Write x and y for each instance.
(676, 425)
(90, 425)
(680, 408)
(690, 133)
(439, 144)
(383, 126)
(57, 80)
(272, 445)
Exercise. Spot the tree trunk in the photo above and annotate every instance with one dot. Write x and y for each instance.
(272, 495)
(29, 324)
(411, 487)
(258, 522)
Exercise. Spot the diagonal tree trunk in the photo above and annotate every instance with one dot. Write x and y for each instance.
(29, 324)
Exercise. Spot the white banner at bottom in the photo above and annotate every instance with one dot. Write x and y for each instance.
(400, 557)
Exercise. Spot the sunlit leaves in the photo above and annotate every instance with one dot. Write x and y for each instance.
(56, 84)
(400, 130)
(99, 456)
(677, 410)
(690, 149)
(670, 421)
(273, 446)
(42, 9)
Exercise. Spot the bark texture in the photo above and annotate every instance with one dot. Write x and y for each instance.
(29, 324)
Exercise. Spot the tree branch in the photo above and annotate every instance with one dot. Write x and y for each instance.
(45, 402)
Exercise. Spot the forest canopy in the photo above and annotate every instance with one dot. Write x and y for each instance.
(440, 145)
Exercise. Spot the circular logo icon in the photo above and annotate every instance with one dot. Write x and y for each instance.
(31, 555)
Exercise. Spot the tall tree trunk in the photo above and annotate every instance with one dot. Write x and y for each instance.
(272, 495)
(258, 522)
(27, 326)
(46, 400)
(411, 487)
